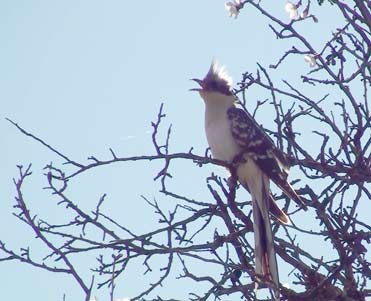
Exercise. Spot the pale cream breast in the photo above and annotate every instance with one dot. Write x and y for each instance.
(222, 144)
(217, 126)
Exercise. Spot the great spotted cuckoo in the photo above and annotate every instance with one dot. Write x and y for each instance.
(234, 136)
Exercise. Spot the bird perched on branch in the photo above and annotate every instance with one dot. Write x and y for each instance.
(233, 134)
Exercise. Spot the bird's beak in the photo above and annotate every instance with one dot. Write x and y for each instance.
(200, 82)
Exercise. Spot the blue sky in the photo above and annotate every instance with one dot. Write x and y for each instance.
(89, 75)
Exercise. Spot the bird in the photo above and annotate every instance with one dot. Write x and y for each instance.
(234, 136)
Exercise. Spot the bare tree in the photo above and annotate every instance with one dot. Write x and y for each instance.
(334, 176)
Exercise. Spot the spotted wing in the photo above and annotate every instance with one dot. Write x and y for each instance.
(257, 144)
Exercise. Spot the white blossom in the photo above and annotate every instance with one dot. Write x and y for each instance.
(292, 10)
(311, 60)
(233, 8)
(286, 285)
(122, 299)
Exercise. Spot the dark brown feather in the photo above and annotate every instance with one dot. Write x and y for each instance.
(258, 145)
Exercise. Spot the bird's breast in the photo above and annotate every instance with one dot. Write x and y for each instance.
(220, 139)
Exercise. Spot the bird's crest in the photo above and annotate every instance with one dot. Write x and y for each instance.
(216, 80)
(219, 75)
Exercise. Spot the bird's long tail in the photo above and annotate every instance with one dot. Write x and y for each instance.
(265, 257)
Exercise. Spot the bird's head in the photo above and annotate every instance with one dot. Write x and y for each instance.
(216, 81)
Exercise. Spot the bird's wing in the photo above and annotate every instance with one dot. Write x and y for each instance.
(258, 146)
